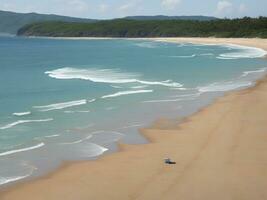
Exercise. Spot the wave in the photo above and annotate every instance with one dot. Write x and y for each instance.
(253, 72)
(139, 87)
(188, 95)
(167, 100)
(51, 136)
(22, 114)
(150, 45)
(206, 54)
(226, 58)
(132, 126)
(105, 76)
(94, 75)
(126, 93)
(189, 56)
(115, 86)
(22, 122)
(76, 111)
(76, 142)
(224, 86)
(22, 150)
(5, 180)
(58, 106)
(242, 52)
(167, 83)
(95, 150)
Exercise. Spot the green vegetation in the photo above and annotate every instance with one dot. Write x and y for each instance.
(246, 27)
(11, 22)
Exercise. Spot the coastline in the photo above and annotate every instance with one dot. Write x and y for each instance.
(138, 172)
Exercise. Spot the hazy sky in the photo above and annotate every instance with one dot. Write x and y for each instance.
(119, 8)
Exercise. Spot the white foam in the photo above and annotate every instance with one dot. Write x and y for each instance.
(224, 86)
(76, 111)
(253, 72)
(105, 76)
(116, 86)
(22, 114)
(22, 150)
(126, 93)
(226, 58)
(139, 87)
(163, 101)
(167, 83)
(132, 126)
(76, 142)
(242, 52)
(94, 75)
(187, 95)
(91, 101)
(206, 54)
(58, 106)
(189, 56)
(149, 45)
(51, 136)
(22, 122)
(5, 180)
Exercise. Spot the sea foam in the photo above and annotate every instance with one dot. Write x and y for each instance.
(59, 106)
(126, 93)
(106, 76)
(22, 150)
(224, 86)
(19, 114)
(246, 73)
(189, 56)
(24, 121)
(242, 52)
(5, 180)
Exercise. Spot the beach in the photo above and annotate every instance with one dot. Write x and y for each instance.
(220, 153)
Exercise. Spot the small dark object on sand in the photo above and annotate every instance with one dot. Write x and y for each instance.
(168, 161)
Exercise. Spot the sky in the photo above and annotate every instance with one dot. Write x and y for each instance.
(106, 9)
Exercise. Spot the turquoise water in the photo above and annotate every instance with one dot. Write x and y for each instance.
(73, 99)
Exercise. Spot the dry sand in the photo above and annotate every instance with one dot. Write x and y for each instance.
(221, 154)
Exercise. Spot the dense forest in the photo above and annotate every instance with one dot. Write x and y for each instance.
(245, 27)
(11, 22)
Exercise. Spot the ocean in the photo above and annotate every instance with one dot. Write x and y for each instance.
(68, 100)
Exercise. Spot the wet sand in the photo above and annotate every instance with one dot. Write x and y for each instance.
(220, 153)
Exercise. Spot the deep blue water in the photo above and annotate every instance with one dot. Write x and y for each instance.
(73, 99)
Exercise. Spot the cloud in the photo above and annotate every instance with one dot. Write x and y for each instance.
(224, 8)
(170, 4)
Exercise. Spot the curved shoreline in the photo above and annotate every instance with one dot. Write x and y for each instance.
(162, 136)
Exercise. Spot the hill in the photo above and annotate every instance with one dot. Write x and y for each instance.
(246, 27)
(11, 22)
(163, 17)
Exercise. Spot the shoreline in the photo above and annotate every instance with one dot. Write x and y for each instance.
(161, 141)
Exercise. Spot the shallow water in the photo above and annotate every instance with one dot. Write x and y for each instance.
(73, 100)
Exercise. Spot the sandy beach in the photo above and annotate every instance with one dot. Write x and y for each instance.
(220, 153)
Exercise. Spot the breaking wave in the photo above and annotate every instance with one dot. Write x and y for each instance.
(125, 93)
(242, 52)
(224, 86)
(22, 122)
(22, 114)
(58, 106)
(105, 76)
(189, 56)
(22, 150)
(246, 73)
